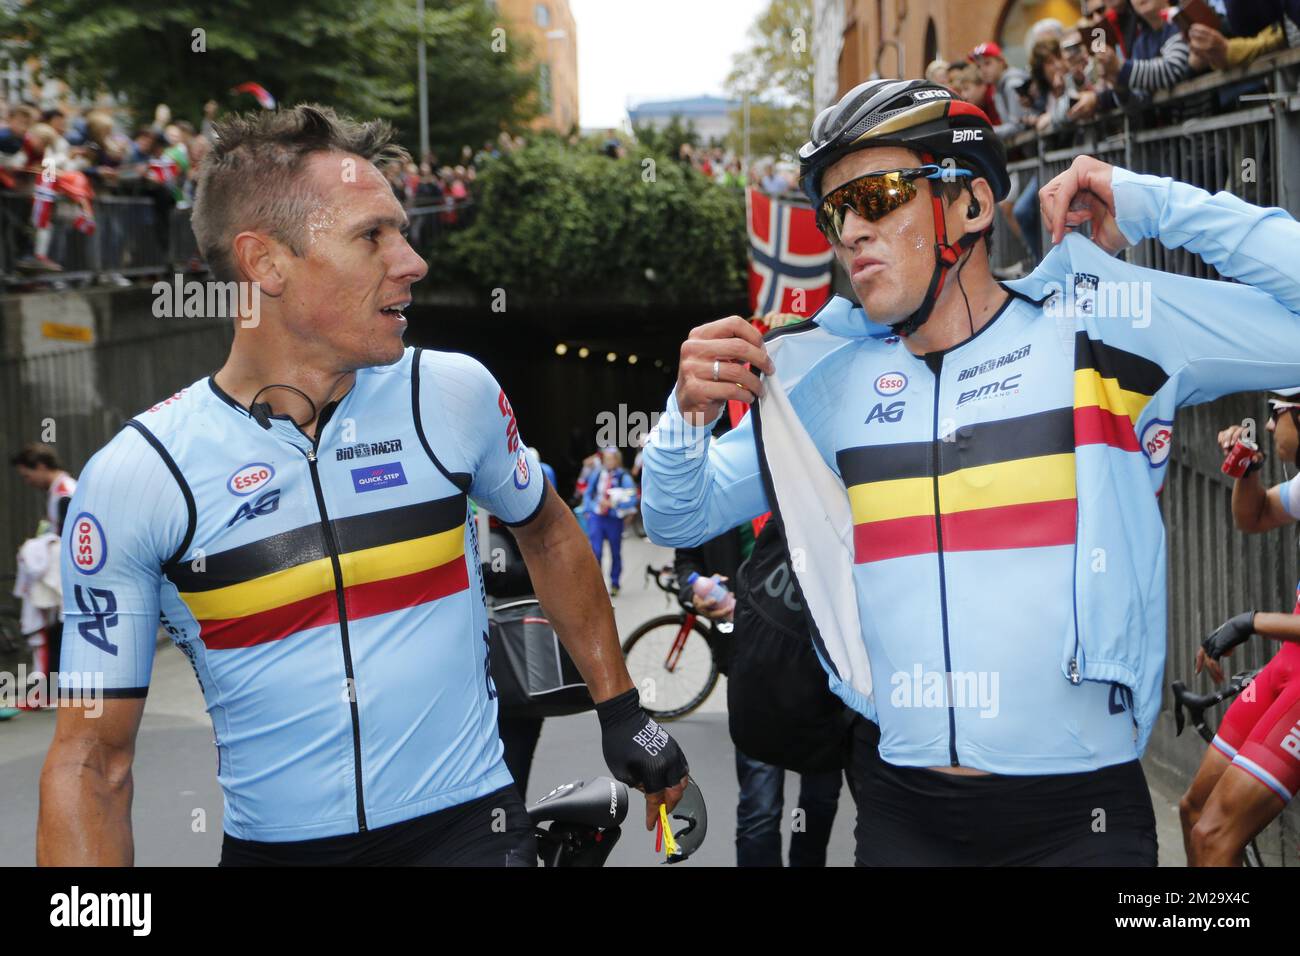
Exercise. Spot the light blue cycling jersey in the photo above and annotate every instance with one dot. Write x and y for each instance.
(329, 596)
(1002, 518)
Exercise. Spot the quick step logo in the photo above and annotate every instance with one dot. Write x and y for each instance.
(375, 477)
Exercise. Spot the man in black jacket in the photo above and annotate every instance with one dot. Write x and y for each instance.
(770, 641)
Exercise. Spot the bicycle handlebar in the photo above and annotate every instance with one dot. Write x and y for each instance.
(1198, 704)
(659, 574)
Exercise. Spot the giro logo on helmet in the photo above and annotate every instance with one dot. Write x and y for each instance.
(931, 95)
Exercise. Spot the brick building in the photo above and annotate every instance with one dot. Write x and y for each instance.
(553, 36)
(855, 39)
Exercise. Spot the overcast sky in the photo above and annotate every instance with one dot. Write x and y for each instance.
(630, 51)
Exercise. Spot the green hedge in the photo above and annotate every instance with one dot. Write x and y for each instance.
(557, 221)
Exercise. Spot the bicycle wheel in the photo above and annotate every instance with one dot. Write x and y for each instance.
(672, 666)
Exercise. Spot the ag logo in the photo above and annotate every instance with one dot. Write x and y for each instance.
(249, 478)
(891, 383)
(262, 506)
(100, 605)
(886, 413)
(88, 544)
(521, 469)
(1157, 441)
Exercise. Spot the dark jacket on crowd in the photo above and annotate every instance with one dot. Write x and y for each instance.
(10, 142)
(1159, 61)
(721, 555)
(1248, 17)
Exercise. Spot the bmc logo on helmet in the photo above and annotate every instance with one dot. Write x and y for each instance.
(967, 135)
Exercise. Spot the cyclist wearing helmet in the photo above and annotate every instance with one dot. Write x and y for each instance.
(1253, 770)
(966, 471)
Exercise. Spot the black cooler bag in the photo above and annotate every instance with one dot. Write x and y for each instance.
(533, 673)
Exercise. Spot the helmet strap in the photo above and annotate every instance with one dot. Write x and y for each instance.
(946, 255)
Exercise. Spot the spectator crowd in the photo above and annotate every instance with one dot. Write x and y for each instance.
(64, 158)
(1116, 57)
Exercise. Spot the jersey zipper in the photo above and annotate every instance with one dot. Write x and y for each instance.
(936, 367)
(331, 543)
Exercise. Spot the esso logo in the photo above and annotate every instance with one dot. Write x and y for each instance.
(1157, 442)
(249, 478)
(521, 469)
(88, 545)
(891, 383)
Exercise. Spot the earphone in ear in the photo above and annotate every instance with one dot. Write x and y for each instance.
(973, 209)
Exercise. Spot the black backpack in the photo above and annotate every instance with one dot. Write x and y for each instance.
(780, 707)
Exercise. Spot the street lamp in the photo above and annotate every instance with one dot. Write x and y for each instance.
(424, 83)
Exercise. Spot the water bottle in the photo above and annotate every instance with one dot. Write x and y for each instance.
(712, 589)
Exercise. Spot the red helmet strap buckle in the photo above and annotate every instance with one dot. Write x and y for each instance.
(946, 255)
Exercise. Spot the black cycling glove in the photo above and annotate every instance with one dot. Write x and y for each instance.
(637, 748)
(1236, 630)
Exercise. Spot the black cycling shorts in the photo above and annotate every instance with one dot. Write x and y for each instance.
(493, 830)
(913, 816)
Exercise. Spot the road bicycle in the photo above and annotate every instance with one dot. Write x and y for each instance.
(674, 658)
(1196, 706)
(584, 818)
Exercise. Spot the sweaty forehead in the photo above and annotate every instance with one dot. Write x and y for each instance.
(867, 161)
(349, 188)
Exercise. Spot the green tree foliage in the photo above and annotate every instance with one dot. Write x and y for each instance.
(667, 140)
(358, 56)
(477, 84)
(776, 72)
(556, 221)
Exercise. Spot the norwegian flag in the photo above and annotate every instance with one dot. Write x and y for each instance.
(789, 258)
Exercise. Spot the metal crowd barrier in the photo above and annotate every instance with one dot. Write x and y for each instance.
(1233, 130)
(139, 236)
(1236, 131)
